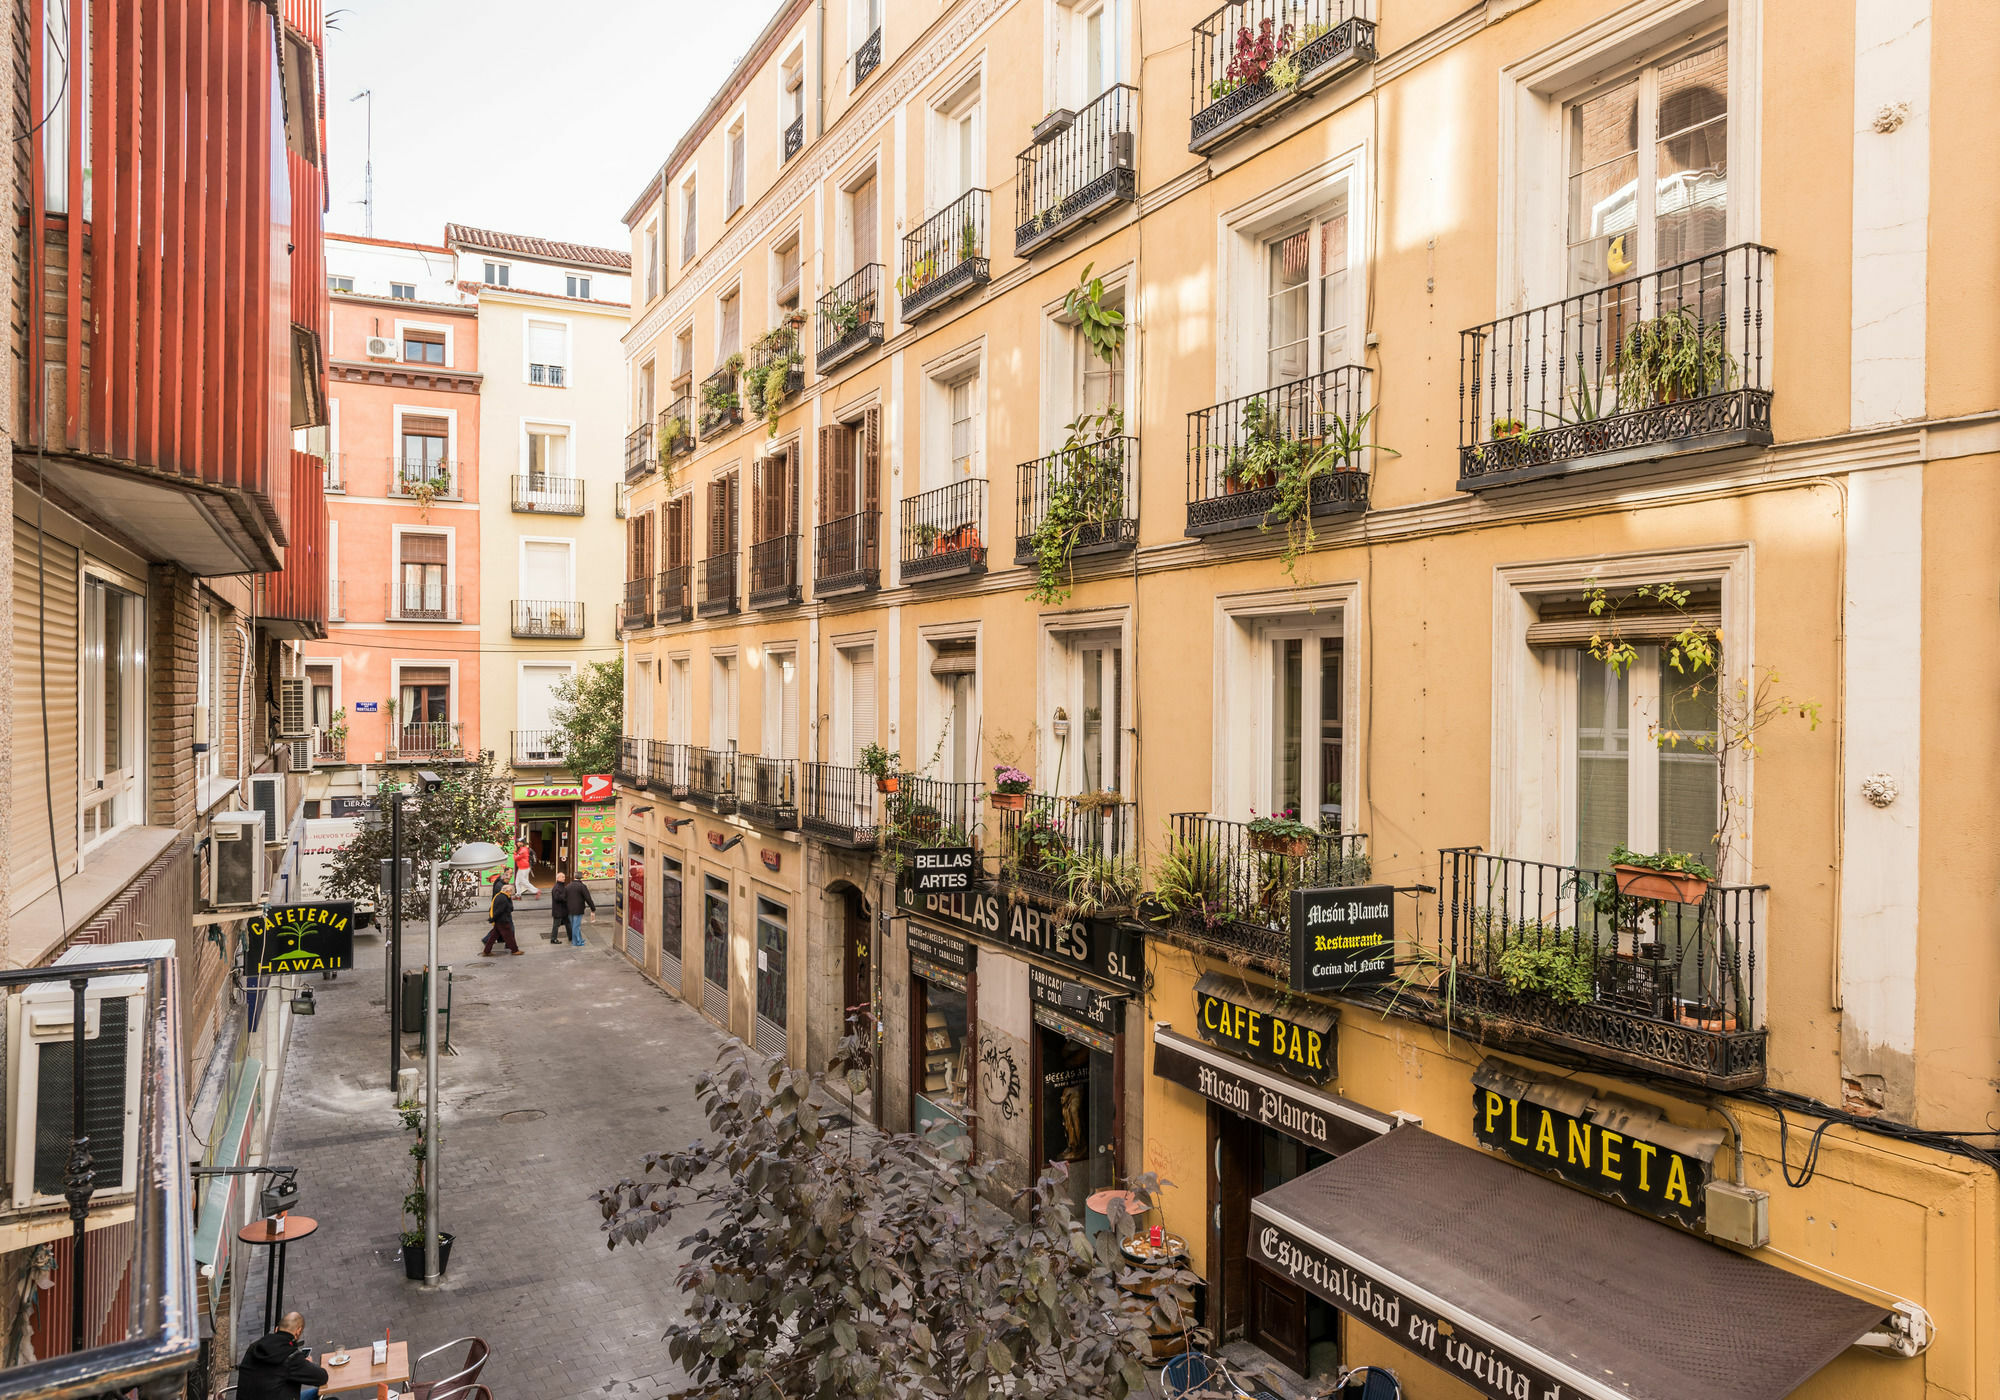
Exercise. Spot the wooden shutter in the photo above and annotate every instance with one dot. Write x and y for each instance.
(52, 634)
(718, 517)
(760, 494)
(829, 440)
(423, 549)
(861, 673)
(424, 675)
(425, 425)
(674, 552)
(731, 493)
(866, 249)
(871, 461)
(635, 529)
(794, 485)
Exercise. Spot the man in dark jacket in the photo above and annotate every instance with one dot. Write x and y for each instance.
(501, 913)
(276, 1367)
(575, 899)
(558, 908)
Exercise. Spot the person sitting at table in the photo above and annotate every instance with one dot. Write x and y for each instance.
(278, 1367)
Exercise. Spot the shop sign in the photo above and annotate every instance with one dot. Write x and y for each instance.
(1483, 1361)
(937, 958)
(1074, 1000)
(1098, 947)
(942, 869)
(1293, 1037)
(548, 792)
(1343, 938)
(1629, 1163)
(349, 807)
(300, 938)
(597, 787)
(1079, 1032)
(1317, 1120)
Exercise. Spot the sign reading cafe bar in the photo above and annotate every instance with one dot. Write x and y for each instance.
(1291, 1035)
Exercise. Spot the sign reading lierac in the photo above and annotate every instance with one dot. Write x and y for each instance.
(1343, 938)
(300, 938)
(1098, 947)
(1295, 1037)
(943, 869)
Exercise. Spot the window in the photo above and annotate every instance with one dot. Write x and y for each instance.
(715, 934)
(1305, 721)
(423, 347)
(729, 325)
(548, 353)
(547, 452)
(792, 107)
(865, 40)
(1305, 292)
(786, 275)
(403, 291)
(680, 700)
(499, 274)
(781, 704)
(652, 261)
(340, 284)
(109, 714)
(1087, 687)
(208, 686)
(735, 143)
(319, 680)
(536, 693)
(684, 354)
(954, 672)
(769, 1036)
(722, 702)
(578, 285)
(1660, 794)
(957, 162)
(1088, 56)
(422, 561)
(854, 700)
(964, 411)
(954, 409)
(690, 234)
(424, 449)
(863, 242)
(423, 696)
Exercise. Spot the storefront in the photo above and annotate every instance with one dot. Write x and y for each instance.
(570, 826)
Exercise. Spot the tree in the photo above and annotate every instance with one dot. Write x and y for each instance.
(854, 1265)
(589, 709)
(469, 804)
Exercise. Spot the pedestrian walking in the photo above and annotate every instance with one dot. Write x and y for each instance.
(276, 1367)
(558, 908)
(501, 914)
(575, 899)
(523, 860)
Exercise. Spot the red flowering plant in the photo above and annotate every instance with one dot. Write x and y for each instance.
(1256, 51)
(1280, 826)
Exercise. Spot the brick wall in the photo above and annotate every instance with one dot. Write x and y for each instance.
(174, 624)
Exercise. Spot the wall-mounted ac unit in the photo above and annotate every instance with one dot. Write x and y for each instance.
(292, 719)
(236, 860)
(380, 347)
(267, 796)
(41, 1064)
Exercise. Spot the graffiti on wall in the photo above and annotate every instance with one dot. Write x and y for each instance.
(999, 1077)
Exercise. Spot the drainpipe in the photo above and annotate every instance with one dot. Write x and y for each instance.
(819, 76)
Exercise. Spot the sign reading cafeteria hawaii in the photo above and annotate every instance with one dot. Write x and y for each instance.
(300, 938)
(1343, 938)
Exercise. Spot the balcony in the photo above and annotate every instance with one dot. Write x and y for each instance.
(928, 812)
(676, 427)
(437, 738)
(640, 452)
(718, 586)
(537, 748)
(417, 604)
(621, 504)
(849, 318)
(944, 532)
(1256, 58)
(423, 481)
(333, 480)
(548, 495)
(1081, 853)
(946, 256)
(868, 57)
(712, 778)
(776, 372)
(335, 611)
(1088, 493)
(1663, 988)
(630, 764)
(1081, 168)
(559, 620)
(673, 604)
(330, 745)
(549, 376)
(1245, 455)
(767, 791)
(1673, 363)
(839, 806)
(774, 572)
(795, 138)
(721, 404)
(847, 555)
(638, 602)
(1233, 897)
(667, 769)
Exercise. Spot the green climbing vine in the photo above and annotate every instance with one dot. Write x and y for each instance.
(1086, 476)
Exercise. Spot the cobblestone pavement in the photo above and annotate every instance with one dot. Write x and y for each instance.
(570, 1066)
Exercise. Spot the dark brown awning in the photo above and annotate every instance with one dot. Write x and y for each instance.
(1528, 1290)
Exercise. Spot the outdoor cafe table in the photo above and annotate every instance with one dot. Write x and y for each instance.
(361, 1372)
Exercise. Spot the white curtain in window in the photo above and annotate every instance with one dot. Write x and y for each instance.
(547, 344)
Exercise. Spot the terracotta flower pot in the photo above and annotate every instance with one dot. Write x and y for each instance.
(1705, 1018)
(1009, 801)
(1293, 846)
(892, 783)
(1638, 882)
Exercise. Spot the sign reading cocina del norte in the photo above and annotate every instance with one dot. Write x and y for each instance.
(1295, 1036)
(300, 938)
(1616, 1148)
(1343, 937)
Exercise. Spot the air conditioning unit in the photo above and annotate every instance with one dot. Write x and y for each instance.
(41, 1029)
(292, 721)
(235, 860)
(1122, 156)
(267, 796)
(302, 755)
(380, 347)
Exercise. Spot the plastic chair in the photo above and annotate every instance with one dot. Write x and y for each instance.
(459, 1384)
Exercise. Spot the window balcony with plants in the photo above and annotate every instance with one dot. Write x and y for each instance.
(1080, 500)
(1080, 853)
(721, 403)
(630, 765)
(1082, 166)
(767, 791)
(675, 428)
(1671, 363)
(718, 586)
(437, 738)
(931, 812)
(944, 532)
(560, 619)
(671, 601)
(1224, 888)
(776, 370)
(847, 554)
(712, 778)
(640, 452)
(946, 256)
(638, 602)
(667, 768)
(1254, 59)
(774, 572)
(839, 805)
(849, 318)
(542, 494)
(423, 480)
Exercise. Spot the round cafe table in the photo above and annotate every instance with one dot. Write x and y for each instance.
(1171, 1254)
(261, 1233)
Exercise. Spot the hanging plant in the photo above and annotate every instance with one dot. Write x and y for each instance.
(1103, 327)
(1298, 466)
(1087, 493)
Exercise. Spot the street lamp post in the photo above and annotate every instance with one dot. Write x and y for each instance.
(473, 855)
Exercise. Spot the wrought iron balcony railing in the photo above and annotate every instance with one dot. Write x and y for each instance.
(944, 531)
(1090, 492)
(630, 765)
(537, 748)
(422, 602)
(549, 376)
(839, 805)
(1310, 43)
(673, 603)
(1083, 169)
(1236, 891)
(849, 318)
(667, 768)
(1241, 453)
(946, 256)
(560, 619)
(419, 479)
(847, 554)
(774, 358)
(1671, 362)
(330, 745)
(676, 427)
(437, 738)
(721, 403)
(638, 602)
(868, 57)
(795, 137)
(774, 572)
(1666, 988)
(712, 778)
(718, 586)
(641, 452)
(767, 790)
(548, 495)
(930, 812)
(1081, 852)
(333, 477)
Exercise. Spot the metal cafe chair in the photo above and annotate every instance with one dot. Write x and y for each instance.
(459, 1384)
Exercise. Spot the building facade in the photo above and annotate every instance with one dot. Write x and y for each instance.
(1296, 412)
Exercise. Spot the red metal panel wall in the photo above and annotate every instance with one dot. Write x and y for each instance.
(298, 591)
(107, 1297)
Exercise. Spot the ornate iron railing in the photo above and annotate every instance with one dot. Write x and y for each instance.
(1082, 852)
(930, 812)
(1255, 58)
(638, 602)
(329, 746)
(848, 319)
(332, 479)
(537, 748)
(1672, 361)
(839, 805)
(779, 348)
(415, 477)
(946, 256)
(641, 452)
(671, 601)
(1241, 453)
(721, 403)
(868, 57)
(718, 586)
(562, 618)
(1234, 891)
(795, 137)
(549, 376)
(668, 768)
(944, 531)
(767, 790)
(1079, 173)
(436, 738)
(631, 762)
(847, 554)
(676, 426)
(1093, 486)
(416, 601)
(712, 778)
(774, 572)
(548, 495)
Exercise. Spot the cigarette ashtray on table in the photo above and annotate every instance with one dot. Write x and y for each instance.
(1164, 1340)
(264, 1233)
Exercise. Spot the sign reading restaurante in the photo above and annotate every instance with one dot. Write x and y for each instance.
(1343, 938)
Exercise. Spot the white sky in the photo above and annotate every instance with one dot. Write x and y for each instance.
(519, 115)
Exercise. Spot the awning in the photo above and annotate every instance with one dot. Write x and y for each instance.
(1528, 1290)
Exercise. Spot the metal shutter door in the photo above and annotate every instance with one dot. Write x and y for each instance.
(34, 863)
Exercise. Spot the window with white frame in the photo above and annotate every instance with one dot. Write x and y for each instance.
(1083, 743)
(1305, 297)
(403, 291)
(680, 700)
(535, 702)
(423, 562)
(548, 353)
(1077, 382)
(854, 703)
(735, 143)
(640, 722)
(963, 414)
(728, 324)
(548, 575)
(957, 145)
(546, 453)
(953, 447)
(684, 354)
(577, 285)
(953, 695)
(864, 17)
(787, 275)
(320, 685)
(781, 704)
(652, 246)
(862, 204)
(1283, 690)
(499, 274)
(690, 222)
(110, 717)
(1640, 742)
(425, 346)
(208, 686)
(722, 696)
(791, 104)
(643, 395)
(1087, 57)
(1304, 660)
(339, 284)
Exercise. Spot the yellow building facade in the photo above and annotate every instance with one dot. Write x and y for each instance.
(1295, 413)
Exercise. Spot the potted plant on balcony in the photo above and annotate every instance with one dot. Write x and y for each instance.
(416, 1199)
(1054, 123)
(1670, 875)
(921, 272)
(1281, 834)
(336, 731)
(1536, 959)
(968, 242)
(1189, 882)
(880, 764)
(1298, 469)
(1086, 494)
(846, 318)
(1010, 788)
(1673, 356)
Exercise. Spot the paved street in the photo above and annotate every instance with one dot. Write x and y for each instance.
(570, 1066)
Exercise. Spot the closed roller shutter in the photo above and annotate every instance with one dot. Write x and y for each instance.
(34, 862)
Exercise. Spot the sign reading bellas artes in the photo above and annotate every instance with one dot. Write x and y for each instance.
(1291, 1035)
(300, 938)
